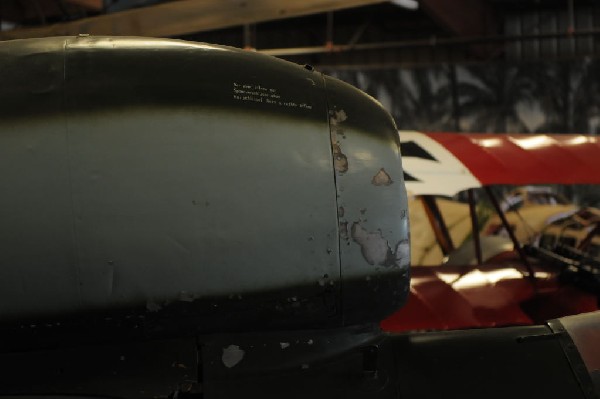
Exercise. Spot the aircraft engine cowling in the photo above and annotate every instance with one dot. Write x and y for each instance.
(190, 187)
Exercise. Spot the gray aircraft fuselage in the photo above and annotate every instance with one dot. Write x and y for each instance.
(198, 186)
(192, 221)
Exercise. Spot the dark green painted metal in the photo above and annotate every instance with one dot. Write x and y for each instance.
(356, 362)
(166, 229)
(187, 185)
(581, 328)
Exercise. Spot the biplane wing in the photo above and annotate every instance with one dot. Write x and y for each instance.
(178, 222)
(497, 292)
(446, 163)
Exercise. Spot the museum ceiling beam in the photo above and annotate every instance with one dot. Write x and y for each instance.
(95, 5)
(29, 11)
(185, 16)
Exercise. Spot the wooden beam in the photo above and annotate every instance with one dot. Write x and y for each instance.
(186, 16)
(94, 5)
(463, 17)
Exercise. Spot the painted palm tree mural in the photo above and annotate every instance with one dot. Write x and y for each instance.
(585, 88)
(492, 98)
(424, 99)
(569, 94)
(560, 97)
(419, 98)
(556, 97)
(553, 91)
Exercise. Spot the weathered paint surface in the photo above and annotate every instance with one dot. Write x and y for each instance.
(158, 175)
(370, 191)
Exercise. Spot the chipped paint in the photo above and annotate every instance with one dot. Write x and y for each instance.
(232, 355)
(153, 307)
(339, 116)
(340, 161)
(402, 254)
(186, 296)
(382, 178)
(284, 345)
(323, 281)
(344, 230)
(376, 249)
(367, 191)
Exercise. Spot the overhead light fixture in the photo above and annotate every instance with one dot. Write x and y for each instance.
(409, 4)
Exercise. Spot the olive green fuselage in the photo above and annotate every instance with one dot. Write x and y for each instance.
(193, 184)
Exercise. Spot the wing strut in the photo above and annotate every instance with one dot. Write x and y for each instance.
(437, 224)
(511, 233)
(475, 226)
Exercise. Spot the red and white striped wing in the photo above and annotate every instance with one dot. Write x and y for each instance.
(445, 163)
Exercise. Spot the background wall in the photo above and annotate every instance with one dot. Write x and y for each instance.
(536, 97)
(499, 97)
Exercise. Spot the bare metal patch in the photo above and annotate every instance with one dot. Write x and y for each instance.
(344, 230)
(153, 306)
(186, 296)
(338, 116)
(381, 178)
(402, 254)
(340, 161)
(232, 355)
(376, 249)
